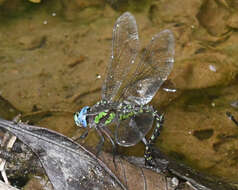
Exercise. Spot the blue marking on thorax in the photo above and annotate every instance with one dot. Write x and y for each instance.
(80, 117)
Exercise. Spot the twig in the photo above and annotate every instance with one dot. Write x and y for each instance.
(9, 144)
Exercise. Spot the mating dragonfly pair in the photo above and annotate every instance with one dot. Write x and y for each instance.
(129, 87)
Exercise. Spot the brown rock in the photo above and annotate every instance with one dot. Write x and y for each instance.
(202, 71)
(73, 9)
(180, 11)
(233, 4)
(233, 21)
(213, 16)
(32, 42)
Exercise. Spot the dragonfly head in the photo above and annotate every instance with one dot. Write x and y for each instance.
(80, 118)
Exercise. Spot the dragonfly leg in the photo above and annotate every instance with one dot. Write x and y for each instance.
(109, 135)
(101, 142)
(231, 117)
(148, 147)
(114, 147)
(84, 135)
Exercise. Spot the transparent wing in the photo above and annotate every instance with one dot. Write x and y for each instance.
(125, 44)
(130, 131)
(154, 68)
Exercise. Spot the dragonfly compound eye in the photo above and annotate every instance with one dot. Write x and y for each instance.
(76, 119)
(80, 118)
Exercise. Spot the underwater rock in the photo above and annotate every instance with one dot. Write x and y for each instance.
(233, 21)
(213, 16)
(197, 72)
(83, 10)
(180, 11)
(233, 4)
(203, 134)
(32, 42)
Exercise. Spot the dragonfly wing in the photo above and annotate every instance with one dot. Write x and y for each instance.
(154, 68)
(125, 44)
(130, 131)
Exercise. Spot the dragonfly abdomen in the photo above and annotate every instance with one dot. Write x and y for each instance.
(126, 115)
(131, 111)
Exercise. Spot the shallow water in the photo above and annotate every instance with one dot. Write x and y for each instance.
(53, 58)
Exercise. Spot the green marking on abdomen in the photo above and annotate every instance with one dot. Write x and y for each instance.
(110, 118)
(126, 116)
(100, 116)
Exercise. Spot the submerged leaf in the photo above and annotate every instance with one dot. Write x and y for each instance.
(67, 164)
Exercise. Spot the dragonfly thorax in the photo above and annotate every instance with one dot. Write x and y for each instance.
(84, 117)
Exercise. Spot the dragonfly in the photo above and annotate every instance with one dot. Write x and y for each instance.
(128, 88)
